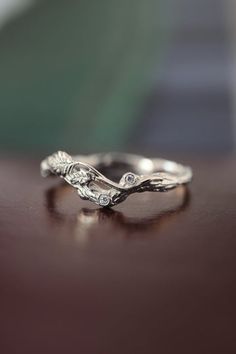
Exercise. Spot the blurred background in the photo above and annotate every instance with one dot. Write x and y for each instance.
(136, 75)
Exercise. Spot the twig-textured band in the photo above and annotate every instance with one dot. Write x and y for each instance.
(81, 172)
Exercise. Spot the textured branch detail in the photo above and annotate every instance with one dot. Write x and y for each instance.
(94, 186)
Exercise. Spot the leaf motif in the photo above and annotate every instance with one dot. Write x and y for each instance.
(79, 176)
(59, 162)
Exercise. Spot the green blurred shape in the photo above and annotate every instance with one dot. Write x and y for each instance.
(74, 74)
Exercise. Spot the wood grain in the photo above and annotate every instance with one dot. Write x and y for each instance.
(154, 275)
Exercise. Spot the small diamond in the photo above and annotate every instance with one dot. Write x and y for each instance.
(130, 178)
(104, 200)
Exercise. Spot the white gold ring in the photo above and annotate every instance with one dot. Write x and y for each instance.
(82, 173)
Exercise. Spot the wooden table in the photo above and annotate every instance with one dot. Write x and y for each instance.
(155, 275)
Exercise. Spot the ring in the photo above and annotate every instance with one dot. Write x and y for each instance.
(82, 173)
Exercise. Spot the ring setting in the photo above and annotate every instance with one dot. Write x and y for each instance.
(82, 173)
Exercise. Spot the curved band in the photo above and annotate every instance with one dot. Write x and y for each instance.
(82, 173)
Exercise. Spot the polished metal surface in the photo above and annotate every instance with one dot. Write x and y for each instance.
(81, 172)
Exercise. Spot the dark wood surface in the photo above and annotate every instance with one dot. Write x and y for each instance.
(155, 275)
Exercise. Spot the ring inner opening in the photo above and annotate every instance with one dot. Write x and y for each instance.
(116, 169)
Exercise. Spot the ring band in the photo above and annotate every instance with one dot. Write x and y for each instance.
(82, 173)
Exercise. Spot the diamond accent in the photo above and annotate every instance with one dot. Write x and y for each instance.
(104, 200)
(130, 178)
